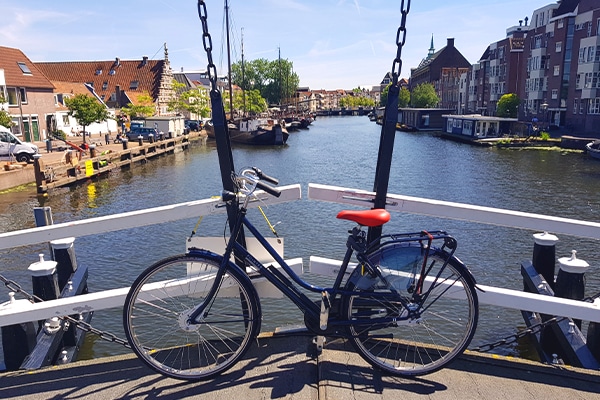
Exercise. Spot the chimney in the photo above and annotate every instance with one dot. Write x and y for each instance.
(144, 60)
(118, 95)
(117, 61)
(450, 42)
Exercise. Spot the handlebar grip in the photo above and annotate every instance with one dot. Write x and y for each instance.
(265, 177)
(268, 188)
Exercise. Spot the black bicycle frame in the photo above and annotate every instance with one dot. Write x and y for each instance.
(278, 279)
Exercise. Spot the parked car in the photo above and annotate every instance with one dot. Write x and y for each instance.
(134, 133)
(11, 146)
(193, 125)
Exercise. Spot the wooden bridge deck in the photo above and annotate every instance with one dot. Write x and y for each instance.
(282, 367)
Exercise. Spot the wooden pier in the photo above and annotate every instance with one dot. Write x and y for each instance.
(73, 169)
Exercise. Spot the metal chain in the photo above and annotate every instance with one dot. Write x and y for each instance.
(400, 40)
(211, 69)
(78, 323)
(510, 339)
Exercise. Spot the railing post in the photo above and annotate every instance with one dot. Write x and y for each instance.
(38, 166)
(593, 339)
(570, 281)
(44, 280)
(544, 254)
(17, 340)
(63, 252)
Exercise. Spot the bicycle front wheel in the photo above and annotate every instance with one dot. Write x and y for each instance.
(157, 324)
(440, 329)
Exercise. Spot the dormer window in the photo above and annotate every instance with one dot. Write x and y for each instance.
(111, 72)
(104, 85)
(24, 68)
(99, 71)
(134, 85)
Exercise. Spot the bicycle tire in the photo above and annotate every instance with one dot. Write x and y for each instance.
(422, 345)
(156, 310)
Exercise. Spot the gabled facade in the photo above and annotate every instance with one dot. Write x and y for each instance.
(443, 69)
(29, 94)
(118, 82)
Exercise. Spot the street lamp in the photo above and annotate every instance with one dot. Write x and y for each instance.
(544, 107)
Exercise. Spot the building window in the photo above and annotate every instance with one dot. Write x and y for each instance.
(65, 119)
(560, 23)
(594, 106)
(111, 72)
(14, 95)
(591, 54)
(555, 94)
(575, 105)
(24, 68)
(558, 47)
(104, 85)
(556, 70)
(134, 85)
(581, 106)
(99, 71)
(23, 95)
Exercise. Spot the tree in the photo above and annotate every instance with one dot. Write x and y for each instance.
(404, 97)
(5, 118)
(195, 101)
(424, 96)
(275, 80)
(384, 95)
(508, 106)
(356, 101)
(144, 108)
(86, 110)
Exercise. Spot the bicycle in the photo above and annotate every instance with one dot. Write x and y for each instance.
(407, 307)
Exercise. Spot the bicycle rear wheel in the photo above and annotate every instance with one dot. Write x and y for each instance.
(156, 317)
(443, 328)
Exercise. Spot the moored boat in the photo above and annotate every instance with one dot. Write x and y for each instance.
(593, 149)
(264, 132)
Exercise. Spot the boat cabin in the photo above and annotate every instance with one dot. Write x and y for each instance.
(477, 126)
(423, 119)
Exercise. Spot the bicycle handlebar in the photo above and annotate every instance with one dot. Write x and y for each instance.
(268, 188)
(265, 177)
(257, 179)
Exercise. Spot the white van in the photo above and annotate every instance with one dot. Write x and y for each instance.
(12, 148)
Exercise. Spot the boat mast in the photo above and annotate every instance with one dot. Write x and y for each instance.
(243, 75)
(229, 61)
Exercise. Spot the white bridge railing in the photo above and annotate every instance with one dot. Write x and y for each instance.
(21, 311)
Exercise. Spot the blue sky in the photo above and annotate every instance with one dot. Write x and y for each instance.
(333, 44)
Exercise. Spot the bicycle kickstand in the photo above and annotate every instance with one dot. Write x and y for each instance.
(319, 340)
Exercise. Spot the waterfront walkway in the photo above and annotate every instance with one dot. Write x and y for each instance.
(283, 368)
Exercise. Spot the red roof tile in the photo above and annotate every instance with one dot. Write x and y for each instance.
(13, 74)
(133, 77)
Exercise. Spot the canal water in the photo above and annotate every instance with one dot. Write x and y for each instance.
(340, 151)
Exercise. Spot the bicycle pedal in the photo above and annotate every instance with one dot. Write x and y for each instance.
(325, 306)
